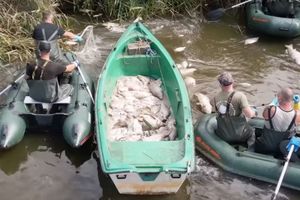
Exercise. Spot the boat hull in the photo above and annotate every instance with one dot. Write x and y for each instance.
(239, 160)
(262, 23)
(157, 183)
(145, 167)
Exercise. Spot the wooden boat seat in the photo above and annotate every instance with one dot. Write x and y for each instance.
(47, 106)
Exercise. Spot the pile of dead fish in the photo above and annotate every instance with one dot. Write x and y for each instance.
(140, 111)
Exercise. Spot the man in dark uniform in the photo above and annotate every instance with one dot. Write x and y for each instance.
(47, 31)
(42, 77)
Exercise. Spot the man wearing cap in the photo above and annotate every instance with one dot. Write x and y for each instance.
(42, 77)
(280, 124)
(233, 108)
(47, 31)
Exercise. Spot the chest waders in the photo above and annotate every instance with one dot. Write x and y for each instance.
(269, 141)
(233, 129)
(46, 91)
(55, 53)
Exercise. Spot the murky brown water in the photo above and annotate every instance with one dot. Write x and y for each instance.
(42, 166)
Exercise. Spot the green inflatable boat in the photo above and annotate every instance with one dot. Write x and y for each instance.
(238, 160)
(71, 115)
(144, 167)
(275, 18)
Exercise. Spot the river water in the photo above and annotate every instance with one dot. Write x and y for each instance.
(42, 166)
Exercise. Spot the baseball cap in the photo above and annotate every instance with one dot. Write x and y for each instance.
(225, 79)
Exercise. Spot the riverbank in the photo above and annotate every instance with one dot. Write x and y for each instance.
(18, 18)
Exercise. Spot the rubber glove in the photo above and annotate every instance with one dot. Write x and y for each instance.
(78, 38)
(274, 102)
(294, 141)
(254, 110)
(296, 98)
(76, 63)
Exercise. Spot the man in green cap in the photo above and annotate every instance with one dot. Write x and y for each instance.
(232, 108)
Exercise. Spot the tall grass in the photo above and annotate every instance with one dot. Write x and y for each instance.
(130, 9)
(18, 17)
(17, 21)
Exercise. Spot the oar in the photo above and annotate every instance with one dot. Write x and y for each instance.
(283, 173)
(10, 85)
(83, 78)
(215, 15)
(87, 86)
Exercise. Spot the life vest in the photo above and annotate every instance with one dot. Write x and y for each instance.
(46, 91)
(232, 129)
(270, 139)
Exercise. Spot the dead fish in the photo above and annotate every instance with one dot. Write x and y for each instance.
(187, 72)
(189, 81)
(135, 127)
(203, 102)
(189, 42)
(293, 53)
(251, 40)
(155, 89)
(152, 121)
(138, 19)
(244, 85)
(173, 134)
(185, 64)
(181, 35)
(179, 66)
(179, 49)
(114, 27)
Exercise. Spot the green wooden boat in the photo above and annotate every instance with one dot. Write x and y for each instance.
(145, 167)
(239, 160)
(71, 115)
(274, 20)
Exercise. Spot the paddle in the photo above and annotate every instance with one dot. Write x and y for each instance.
(85, 83)
(283, 172)
(11, 85)
(83, 78)
(215, 15)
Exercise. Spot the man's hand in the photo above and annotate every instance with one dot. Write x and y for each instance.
(294, 141)
(76, 63)
(78, 38)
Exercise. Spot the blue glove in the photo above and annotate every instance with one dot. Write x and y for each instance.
(296, 98)
(78, 38)
(294, 141)
(76, 63)
(274, 102)
(254, 110)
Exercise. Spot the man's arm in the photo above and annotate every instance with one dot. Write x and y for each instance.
(248, 112)
(69, 35)
(246, 109)
(70, 68)
(297, 121)
(266, 112)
